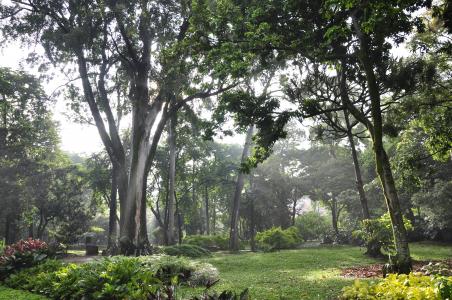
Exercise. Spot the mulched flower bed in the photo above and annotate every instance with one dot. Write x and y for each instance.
(376, 270)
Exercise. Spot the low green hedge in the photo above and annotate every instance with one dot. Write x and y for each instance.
(401, 287)
(210, 242)
(113, 278)
(186, 250)
(277, 238)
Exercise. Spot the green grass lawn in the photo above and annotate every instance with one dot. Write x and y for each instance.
(309, 273)
(10, 294)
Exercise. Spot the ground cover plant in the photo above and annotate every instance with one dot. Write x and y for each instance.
(113, 278)
(401, 287)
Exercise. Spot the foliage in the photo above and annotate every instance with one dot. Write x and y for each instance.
(113, 278)
(342, 237)
(2, 245)
(435, 203)
(378, 233)
(210, 242)
(36, 279)
(23, 254)
(187, 250)
(204, 275)
(312, 225)
(437, 268)
(28, 139)
(276, 238)
(225, 295)
(412, 286)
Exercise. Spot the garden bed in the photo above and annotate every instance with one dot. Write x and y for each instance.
(376, 270)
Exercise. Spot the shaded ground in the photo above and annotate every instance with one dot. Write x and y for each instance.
(375, 270)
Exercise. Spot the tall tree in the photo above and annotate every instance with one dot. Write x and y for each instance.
(234, 227)
(344, 33)
(146, 41)
(28, 137)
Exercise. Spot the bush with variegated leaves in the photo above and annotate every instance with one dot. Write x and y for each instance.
(23, 254)
(400, 287)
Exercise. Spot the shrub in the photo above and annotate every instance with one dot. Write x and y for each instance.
(186, 250)
(225, 295)
(276, 238)
(210, 242)
(312, 225)
(377, 234)
(400, 287)
(23, 254)
(204, 275)
(113, 278)
(37, 279)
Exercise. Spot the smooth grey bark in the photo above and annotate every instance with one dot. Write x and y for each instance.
(112, 232)
(134, 238)
(233, 233)
(172, 179)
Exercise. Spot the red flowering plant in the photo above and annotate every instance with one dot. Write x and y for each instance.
(23, 254)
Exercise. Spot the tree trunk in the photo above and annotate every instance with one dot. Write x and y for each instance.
(233, 234)
(134, 240)
(214, 218)
(294, 211)
(358, 176)
(179, 222)
(31, 231)
(334, 215)
(403, 259)
(172, 178)
(8, 239)
(206, 204)
(252, 220)
(112, 233)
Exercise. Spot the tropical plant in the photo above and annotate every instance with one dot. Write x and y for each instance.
(277, 238)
